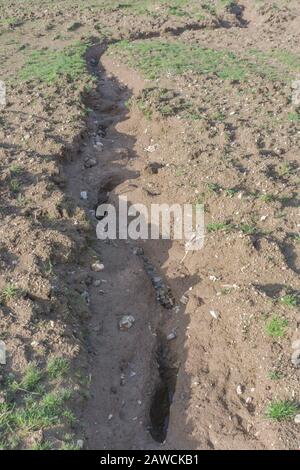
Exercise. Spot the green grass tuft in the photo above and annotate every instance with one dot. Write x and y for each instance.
(9, 292)
(290, 300)
(155, 58)
(57, 367)
(219, 226)
(282, 410)
(50, 65)
(276, 327)
(31, 378)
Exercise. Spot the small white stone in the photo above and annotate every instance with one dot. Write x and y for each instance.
(79, 444)
(214, 314)
(296, 358)
(110, 417)
(239, 389)
(297, 419)
(126, 322)
(97, 266)
(171, 336)
(83, 195)
(184, 299)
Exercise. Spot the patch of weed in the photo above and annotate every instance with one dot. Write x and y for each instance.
(15, 169)
(156, 57)
(276, 326)
(31, 378)
(9, 292)
(290, 300)
(282, 410)
(275, 375)
(219, 226)
(57, 367)
(49, 65)
(15, 185)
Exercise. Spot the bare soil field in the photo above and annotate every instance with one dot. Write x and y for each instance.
(123, 344)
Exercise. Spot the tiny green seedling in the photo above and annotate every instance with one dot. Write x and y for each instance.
(15, 186)
(214, 187)
(276, 326)
(219, 226)
(267, 198)
(290, 300)
(9, 292)
(15, 169)
(275, 375)
(247, 229)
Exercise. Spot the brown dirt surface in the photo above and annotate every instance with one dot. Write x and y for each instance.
(161, 102)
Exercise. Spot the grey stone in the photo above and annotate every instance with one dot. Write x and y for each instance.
(297, 419)
(296, 358)
(97, 266)
(126, 322)
(296, 344)
(90, 162)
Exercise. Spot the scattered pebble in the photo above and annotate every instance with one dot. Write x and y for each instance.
(83, 195)
(137, 251)
(184, 299)
(90, 162)
(110, 417)
(97, 266)
(171, 336)
(214, 314)
(79, 444)
(297, 419)
(239, 389)
(96, 283)
(296, 358)
(86, 296)
(151, 148)
(126, 322)
(163, 292)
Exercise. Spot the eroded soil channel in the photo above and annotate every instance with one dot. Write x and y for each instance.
(132, 378)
